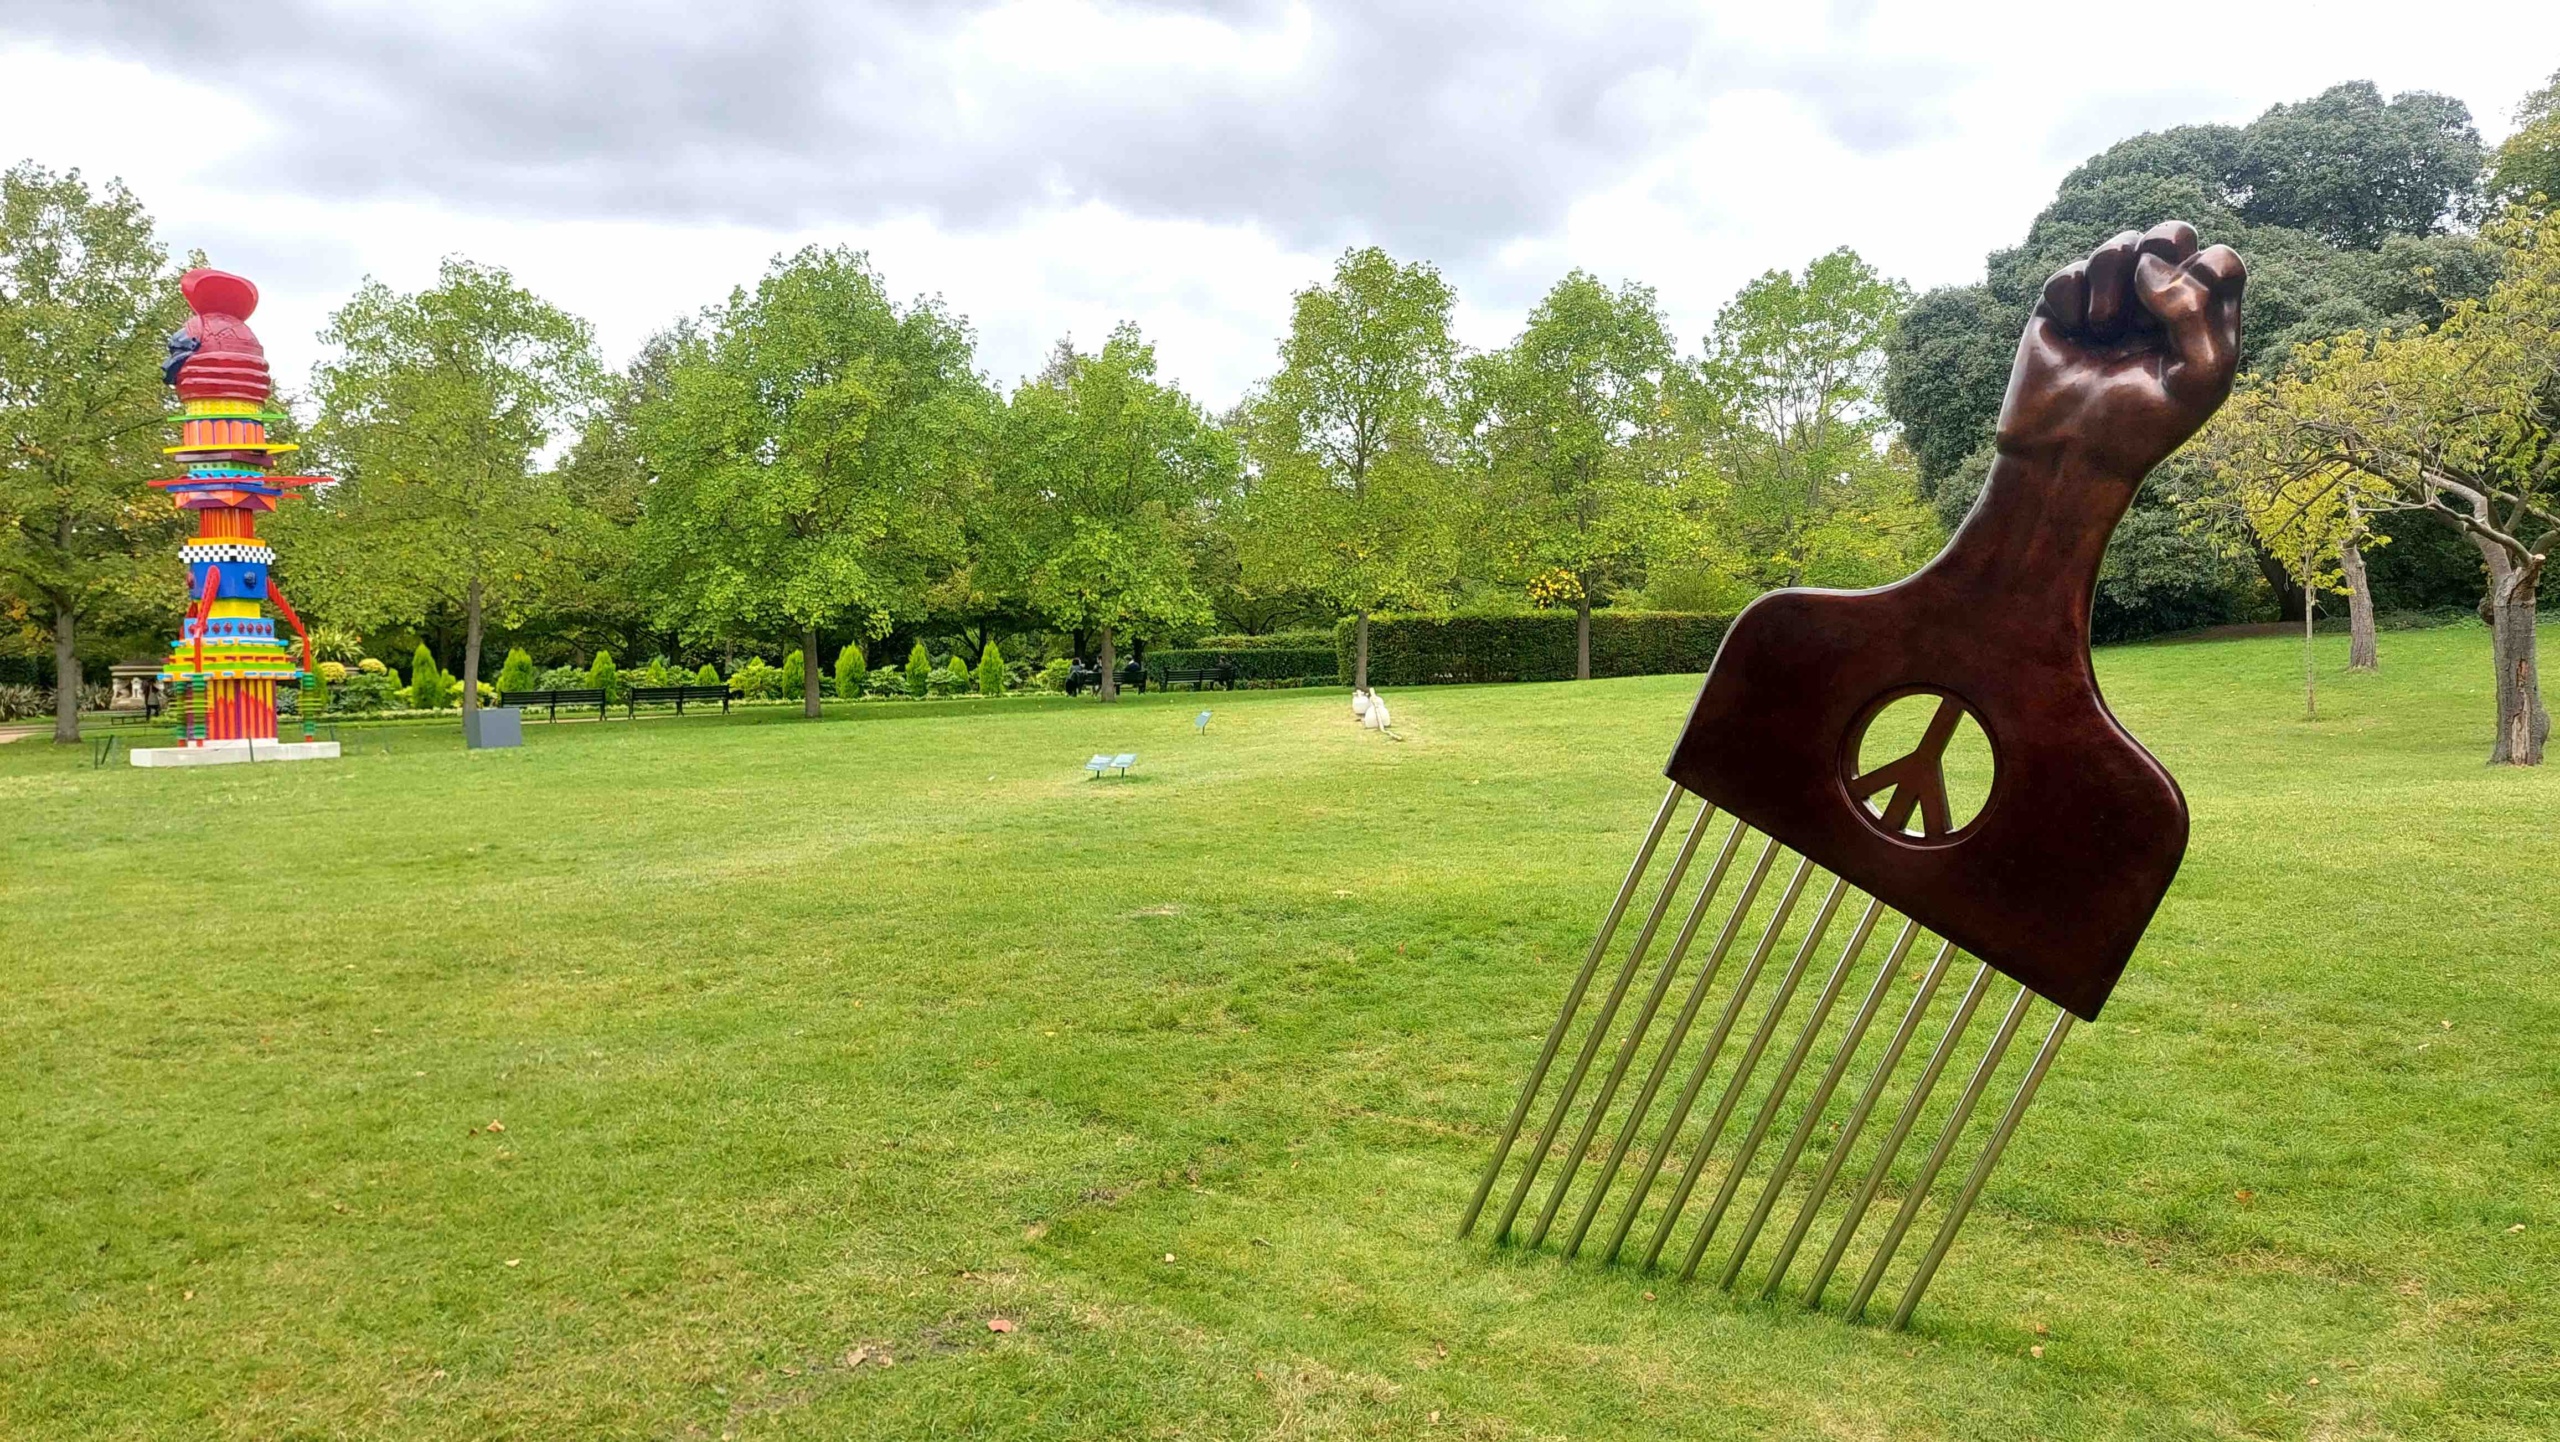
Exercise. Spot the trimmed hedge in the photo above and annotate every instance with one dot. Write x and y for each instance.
(1264, 664)
(1318, 639)
(1411, 650)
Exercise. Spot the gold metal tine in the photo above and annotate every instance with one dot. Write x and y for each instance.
(1956, 1118)
(1599, 1109)
(1785, 1080)
(1742, 1070)
(1679, 1032)
(1857, 1119)
(1814, 1104)
(1715, 1047)
(1893, 1140)
(1572, 1003)
(1981, 1170)
(1600, 1024)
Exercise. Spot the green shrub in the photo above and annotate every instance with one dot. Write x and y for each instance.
(851, 671)
(709, 675)
(517, 673)
(888, 683)
(991, 672)
(919, 670)
(362, 693)
(795, 676)
(1053, 677)
(756, 681)
(656, 673)
(560, 678)
(946, 681)
(426, 683)
(601, 676)
(1274, 663)
(1415, 650)
(1318, 638)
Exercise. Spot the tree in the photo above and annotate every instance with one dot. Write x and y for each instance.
(2459, 421)
(1100, 473)
(1789, 399)
(517, 672)
(426, 681)
(86, 295)
(1569, 419)
(814, 455)
(2528, 163)
(1351, 498)
(434, 414)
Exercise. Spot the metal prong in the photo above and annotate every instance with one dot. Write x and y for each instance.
(1785, 1080)
(1893, 1140)
(1599, 1108)
(1715, 1047)
(1600, 1024)
(1680, 1025)
(1857, 1120)
(1981, 1170)
(1741, 1078)
(1956, 1118)
(1814, 1104)
(1572, 1003)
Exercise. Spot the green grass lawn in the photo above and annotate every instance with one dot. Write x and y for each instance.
(708, 1077)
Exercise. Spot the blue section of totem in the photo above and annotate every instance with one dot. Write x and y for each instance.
(241, 580)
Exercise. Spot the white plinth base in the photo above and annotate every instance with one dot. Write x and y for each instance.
(234, 753)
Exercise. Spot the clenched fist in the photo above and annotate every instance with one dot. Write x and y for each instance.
(2127, 353)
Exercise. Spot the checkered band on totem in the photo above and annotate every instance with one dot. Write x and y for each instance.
(201, 552)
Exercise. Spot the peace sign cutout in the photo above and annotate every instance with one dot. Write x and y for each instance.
(1908, 797)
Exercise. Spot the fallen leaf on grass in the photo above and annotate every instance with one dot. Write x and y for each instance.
(999, 1324)
(2518, 1227)
(2036, 1351)
(515, 1261)
(1168, 1256)
(495, 1126)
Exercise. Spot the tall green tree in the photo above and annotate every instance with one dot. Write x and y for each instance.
(2528, 162)
(1352, 497)
(2460, 422)
(1790, 399)
(814, 456)
(86, 297)
(434, 413)
(1571, 423)
(1100, 475)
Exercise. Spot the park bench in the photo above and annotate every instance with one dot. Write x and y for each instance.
(552, 701)
(676, 696)
(1222, 672)
(1104, 765)
(1086, 676)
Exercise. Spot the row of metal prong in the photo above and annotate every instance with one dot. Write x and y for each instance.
(1778, 1094)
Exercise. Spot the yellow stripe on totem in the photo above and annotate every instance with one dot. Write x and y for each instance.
(234, 610)
(223, 408)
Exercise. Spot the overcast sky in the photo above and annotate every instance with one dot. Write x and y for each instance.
(1055, 167)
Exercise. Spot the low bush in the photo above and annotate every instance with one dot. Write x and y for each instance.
(332, 672)
(363, 693)
(602, 676)
(756, 681)
(795, 677)
(561, 678)
(851, 671)
(919, 670)
(709, 675)
(1052, 677)
(887, 683)
(1309, 639)
(1417, 650)
(18, 701)
(1270, 663)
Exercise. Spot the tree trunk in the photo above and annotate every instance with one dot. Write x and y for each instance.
(809, 672)
(1360, 652)
(2310, 667)
(1110, 672)
(66, 677)
(471, 657)
(2361, 655)
(1582, 638)
(2523, 725)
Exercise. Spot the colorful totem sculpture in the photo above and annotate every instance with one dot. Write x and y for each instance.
(225, 666)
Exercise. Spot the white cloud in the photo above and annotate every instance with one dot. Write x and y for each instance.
(1060, 165)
